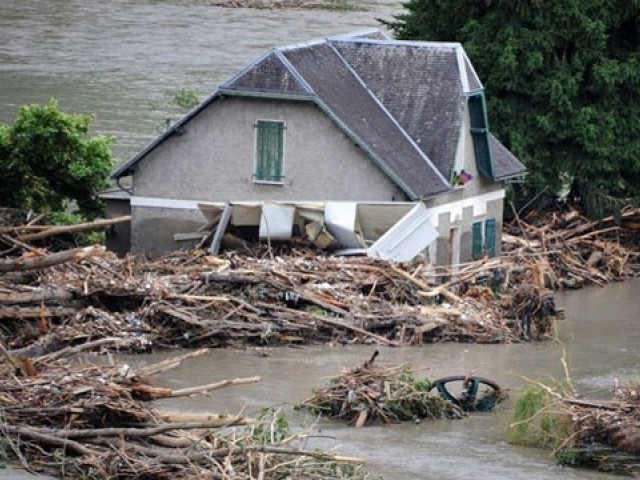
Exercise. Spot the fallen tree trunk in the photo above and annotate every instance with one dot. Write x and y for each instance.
(39, 262)
(78, 228)
(53, 295)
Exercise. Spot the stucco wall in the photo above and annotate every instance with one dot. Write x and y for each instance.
(118, 237)
(214, 159)
(466, 217)
(153, 229)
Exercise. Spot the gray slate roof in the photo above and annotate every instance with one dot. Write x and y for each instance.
(505, 164)
(401, 102)
(339, 88)
(427, 99)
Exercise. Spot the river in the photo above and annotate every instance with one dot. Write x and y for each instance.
(118, 59)
(601, 334)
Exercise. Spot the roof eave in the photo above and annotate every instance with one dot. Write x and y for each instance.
(512, 177)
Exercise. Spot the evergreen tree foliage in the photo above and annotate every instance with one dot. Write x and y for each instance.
(562, 79)
(48, 160)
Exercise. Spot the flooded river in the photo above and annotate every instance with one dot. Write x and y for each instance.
(601, 335)
(117, 59)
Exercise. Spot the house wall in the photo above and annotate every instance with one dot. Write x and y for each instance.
(477, 201)
(153, 229)
(118, 237)
(214, 161)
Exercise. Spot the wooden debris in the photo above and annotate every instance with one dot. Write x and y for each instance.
(285, 293)
(77, 421)
(600, 434)
(34, 262)
(376, 394)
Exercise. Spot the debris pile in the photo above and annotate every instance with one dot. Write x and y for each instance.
(76, 422)
(288, 4)
(571, 251)
(194, 299)
(285, 293)
(600, 434)
(377, 394)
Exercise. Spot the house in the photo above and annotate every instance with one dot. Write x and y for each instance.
(359, 119)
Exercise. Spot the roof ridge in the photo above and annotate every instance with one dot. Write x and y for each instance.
(357, 34)
(395, 42)
(299, 45)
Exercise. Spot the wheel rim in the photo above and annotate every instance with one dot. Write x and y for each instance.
(470, 400)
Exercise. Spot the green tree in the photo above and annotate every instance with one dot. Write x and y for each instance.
(48, 160)
(562, 79)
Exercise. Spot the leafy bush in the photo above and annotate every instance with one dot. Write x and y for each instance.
(48, 160)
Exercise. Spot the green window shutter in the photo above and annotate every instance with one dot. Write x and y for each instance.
(490, 237)
(483, 154)
(477, 112)
(269, 150)
(476, 240)
(480, 135)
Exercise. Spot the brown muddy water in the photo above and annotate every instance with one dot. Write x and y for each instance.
(601, 335)
(118, 59)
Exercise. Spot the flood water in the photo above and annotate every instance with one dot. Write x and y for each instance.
(117, 59)
(600, 334)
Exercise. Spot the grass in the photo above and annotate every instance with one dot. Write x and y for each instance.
(536, 423)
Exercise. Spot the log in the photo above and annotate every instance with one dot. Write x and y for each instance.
(147, 392)
(35, 262)
(17, 313)
(362, 419)
(80, 227)
(169, 363)
(215, 420)
(48, 439)
(353, 328)
(54, 295)
(428, 291)
(213, 386)
(68, 351)
(133, 432)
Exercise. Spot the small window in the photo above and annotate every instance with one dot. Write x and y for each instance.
(269, 151)
(483, 239)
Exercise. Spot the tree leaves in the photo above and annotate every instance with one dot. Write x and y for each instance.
(48, 161)
(562, 80)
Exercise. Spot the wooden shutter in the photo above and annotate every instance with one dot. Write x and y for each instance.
(480, 135)
(476, 240)
(269, 150)
(490, 237)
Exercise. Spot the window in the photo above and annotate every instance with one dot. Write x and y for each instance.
(483, 238)
(269, 151)
(480, 135)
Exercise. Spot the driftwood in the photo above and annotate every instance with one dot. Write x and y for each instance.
(45, 232)
(601, 434)
(370, 393)
(38, 262)
(98, 416)
(279, 296)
